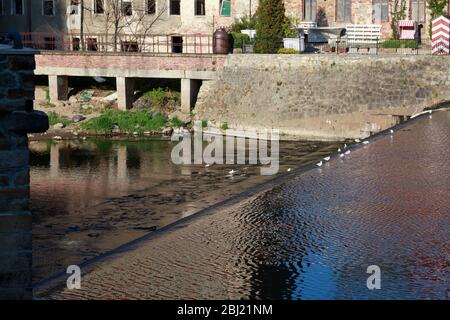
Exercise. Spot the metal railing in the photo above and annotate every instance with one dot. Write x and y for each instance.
(129, 43)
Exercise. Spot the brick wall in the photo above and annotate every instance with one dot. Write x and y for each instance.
(130, 61)
(16, 119)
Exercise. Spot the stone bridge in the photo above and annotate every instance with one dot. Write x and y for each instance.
(192, 69)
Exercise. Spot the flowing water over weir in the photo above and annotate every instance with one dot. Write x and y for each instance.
(312, 236)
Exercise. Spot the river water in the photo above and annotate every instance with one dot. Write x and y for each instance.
(312, 236)
(89, 197)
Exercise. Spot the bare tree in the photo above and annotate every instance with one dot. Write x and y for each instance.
(126, 19)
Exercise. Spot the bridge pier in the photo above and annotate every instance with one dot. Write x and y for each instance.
(58, 87)
(125, 92)
(189, 92)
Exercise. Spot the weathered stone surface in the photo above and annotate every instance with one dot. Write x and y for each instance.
(17, 118)
(322, 96)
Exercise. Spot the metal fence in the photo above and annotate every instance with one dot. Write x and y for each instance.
(132, 43)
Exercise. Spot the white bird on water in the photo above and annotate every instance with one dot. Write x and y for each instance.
(347, 152)
(327, 158)
(392, 131)
(289, 169)
(345, 146)
(365, 142)
(341, 155)
(357, 140)
(319, 164)
(231, 172)
(339, 150)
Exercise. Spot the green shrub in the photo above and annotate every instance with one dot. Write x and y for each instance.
(287, 51)
(392, 43)
(239, 39)
(160, 97)
(224, 126)
(127, 121)
(54, 118)
(176, 123)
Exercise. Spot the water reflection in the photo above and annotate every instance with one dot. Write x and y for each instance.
(312, 237)
(89, 197)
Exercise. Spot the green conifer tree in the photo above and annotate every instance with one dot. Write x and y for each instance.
(269, 26)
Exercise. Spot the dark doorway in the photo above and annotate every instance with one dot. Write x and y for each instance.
(177, 44)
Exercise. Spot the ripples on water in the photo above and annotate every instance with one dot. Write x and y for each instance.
(88, 197)
(312, 237)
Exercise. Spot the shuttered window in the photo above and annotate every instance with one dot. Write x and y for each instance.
(418, 9)
(225, 8)
(309, 10)
(343, 10)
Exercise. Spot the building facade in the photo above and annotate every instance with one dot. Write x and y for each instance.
(191, 16)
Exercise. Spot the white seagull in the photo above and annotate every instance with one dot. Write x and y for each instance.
(392, 131)
(357, 140)
(327, 158)
(365, 142)
(347, 152)
(345, 146)
(341, 155)
(319, 164)
(289, 169)
(231, 172)
(339, 150)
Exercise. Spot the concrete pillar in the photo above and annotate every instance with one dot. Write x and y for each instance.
(125, 93)
(16, 119)
(58, 87)
(189, 92)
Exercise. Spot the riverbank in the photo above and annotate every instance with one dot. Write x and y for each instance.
(311, 236)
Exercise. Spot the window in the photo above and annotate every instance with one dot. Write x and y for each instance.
(177, 44)
(343, 10)
(74, 6)
(76, 44)
(127, 8)
(381, 10)
(309, 10)
(199, 7)
(91, 44)
(98, 7)
(49, 43)
(225, 8)
(175, 7)
(48, 7)
(17, 7)
(418, 10)
(129, 46)
(151, 6)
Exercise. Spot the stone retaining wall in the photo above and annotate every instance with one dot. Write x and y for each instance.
(16, 119)
(327, 97)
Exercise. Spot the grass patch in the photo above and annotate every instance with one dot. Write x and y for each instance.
(54, 118)
(127, 121)
(176, 123)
